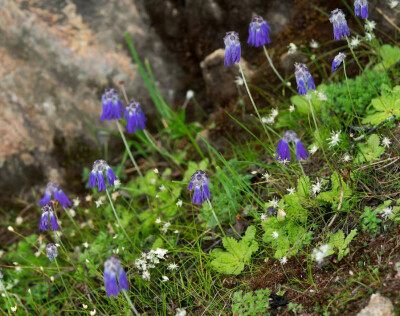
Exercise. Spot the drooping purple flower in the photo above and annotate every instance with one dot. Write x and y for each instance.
(199, 182)
(134, 116)
(232, 48)
(337, 61)
(115, 279)
(112, 106)
(48, 214)
(361, 8)
(97, 175)
(283, 150)
(304, 79)
(258, 32)
(51, 251)
(340, 28)
(59, 195)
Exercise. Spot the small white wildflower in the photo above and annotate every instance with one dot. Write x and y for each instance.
(165, 278)
(14, 309)
(115, 195)
(292, 108)
(308, 96)
(274, 202)
(386, 212)
(71, 212)
(266, 176)
(369, 36)
(160, 253)
(99, 203)
(189, 94)
(84, 306)
(117, 184)
(322, 96)
(180, 312)
(76, 201)
(164, 229)
(88, 198)
(52, 279)
(179, 203)
(239, 81)
(86, 245)
(393, 3)
(370, 25)
(268, 120)
(355, 41)
(313, 149)
(263, 217)
(274, 112)
(281, 214)
(162, 188)
(320, 253)
(386, 142)
(291, 191)
(283, 260)
(158, 221)
(275, 235)
(172, 266)
(316, 187)
(93, 312)
(346, 157)
(87, 261)
(334, 139)
(156, 171)
(284, 161)
(10, 228)
(292, 48)
(314, 44)
(19, 220)
(176, 231)
(18, 269)
(146, 275)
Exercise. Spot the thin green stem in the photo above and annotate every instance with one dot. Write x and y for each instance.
(128, 149)
(348, 90)
(253, 103)
(215, 216)
(62, 280)
(312, 113)
(130, 303)
(276, 71)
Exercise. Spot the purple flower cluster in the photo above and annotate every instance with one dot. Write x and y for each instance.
(59, 195)
(258, 32)
(114, 277)
(361, 8)
(304, 79)
(97, 175)
(340, 28)
(199, 182)
(135, 119)
(232, 48)
(51, 251)
(112, 106)
(337, 61)
(283, 150)
(48, 217)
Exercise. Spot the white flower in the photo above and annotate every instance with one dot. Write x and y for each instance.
(158, 221)
(274, 112)
(88, 198)
(346, 157)
(291, 191)
(86, 245)
(313, 149)
(292, 108)
(239, 81)
(281, 214)
(165, 278)
(369, 36)
(308, 96)
(292, 48)
(334, 139)
(284, 161)
(355, 41)
(268, 120)
(84, 306)
(162, 188)
(314, 44)
(263, 217)
(283, 260)
(320, 253)
(172, 266)
(386, 142)
(76, 201)
(274, 202)
(370, 25)
(117, 184)
(165, 227)
(316, 187)
(160, 252)
(393, 3)
(14, 308)
(321, 96)
(386, 212)
(71, 212)
(99, 202)
(146, 275)
(266, 176)
(275, 235)
(179, 203)
(180, 312)
(115, 195)
(189, 94)
(10, 228)
(19, 220)
(93, 312)
(176, 231)
(156, 171)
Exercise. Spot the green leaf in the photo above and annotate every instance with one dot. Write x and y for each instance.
(390, 55)
(338, 241)
(370, 151)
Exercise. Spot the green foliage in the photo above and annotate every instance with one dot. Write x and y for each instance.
(251, 304)
(370, 150)
(237, 254)
(333, 195)
(370, 220)
(385, 106)
(339, 102)
(390, 56)
(295, 308)
(341, 244)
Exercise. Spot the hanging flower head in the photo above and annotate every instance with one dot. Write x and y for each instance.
(361, 8)
(303, 78)
(258, 32)
(48, 214)
(232, 48)
(51, 251)
(283, 150)
(59, 195)
(134, 117)
(114, 277)
(100, 166)
(337, 61)
(340, 28)
(200, 183)
(112, 106)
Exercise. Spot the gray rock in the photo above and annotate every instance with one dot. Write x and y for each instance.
(377, 306)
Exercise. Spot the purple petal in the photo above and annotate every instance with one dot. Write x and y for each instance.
(110, 283)
(53, 220)
(197, 196)
(301, 152)
(283, 151)
(92, 180)
(46, 199)
(44, 221)
(100, 182)
(123, 281)
(111, 176)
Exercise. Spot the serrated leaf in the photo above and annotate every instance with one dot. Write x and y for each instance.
(371, 150)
